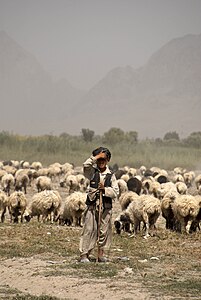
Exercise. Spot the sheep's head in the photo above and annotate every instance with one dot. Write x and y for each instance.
(118, 226)
(27, 215)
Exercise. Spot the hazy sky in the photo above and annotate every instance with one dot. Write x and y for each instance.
(81, 40)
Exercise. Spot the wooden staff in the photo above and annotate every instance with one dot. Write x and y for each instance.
(99, 221)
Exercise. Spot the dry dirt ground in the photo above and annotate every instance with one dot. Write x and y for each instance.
(21, 273)
(28, 276)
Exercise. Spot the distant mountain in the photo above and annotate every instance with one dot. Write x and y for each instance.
(31, 102)
(164, 95)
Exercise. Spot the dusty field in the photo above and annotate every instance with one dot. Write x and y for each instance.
(40, 261)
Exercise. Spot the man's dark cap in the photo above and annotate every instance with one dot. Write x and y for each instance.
(102, 149)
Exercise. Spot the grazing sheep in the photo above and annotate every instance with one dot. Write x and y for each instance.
(166, 209)
(181, 187)
(54, 172)
(198, 181)
(43, 204)
(186, 209)
(142, 170)
(71, 183)
(188, 178)
(179, 170)
(67, 168)
(196, 223)
(2, 173)
(72, 209)
(10, 169)
(25, 164)
(36, 165)
(17, 204)
(134, 185)
(43, 172)
(122, 186)
(7, 182)
(161, 178)
(21, 181)
(164, 188)
(178, 178)
(125, 177)
(132, 172)
(125, 199)
(145, 208)
(150, 186)
(3, 205)
(82, 182)
(43, 183)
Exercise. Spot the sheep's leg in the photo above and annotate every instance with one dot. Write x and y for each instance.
(52, 217)
(135, 228)
(183, 225)
(188, 226)
(3, 215)
(21, 217)
(146, 221)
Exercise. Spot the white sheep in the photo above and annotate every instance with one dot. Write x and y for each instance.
(178, 178)
(36, 165)
(25, 164)
(71, 183)
(17, 203)
(54, 172)
(21, 182)
(189, 178)
(67, 168)
(145, 208)
(186, 209)
(82, 182)
(125, 177)
(122, 186)
(132, 172)
(43, 183)
(179, 170)
(7, 183)
(3, 205)
(150, 186)
(198, 181)
(164, 188)
(72, 209)
(124, 200)
(45, 203)
(10, 169)
(181, 187)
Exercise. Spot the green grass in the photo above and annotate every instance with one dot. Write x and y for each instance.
(49, 149)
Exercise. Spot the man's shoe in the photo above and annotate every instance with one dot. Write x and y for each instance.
(102, 259)
(84, 260)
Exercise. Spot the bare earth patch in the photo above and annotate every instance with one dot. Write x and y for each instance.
(25, 275)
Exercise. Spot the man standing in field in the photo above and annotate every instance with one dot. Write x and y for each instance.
(103, 188)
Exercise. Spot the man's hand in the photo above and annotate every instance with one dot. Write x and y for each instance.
(101, 187)
(101, 155)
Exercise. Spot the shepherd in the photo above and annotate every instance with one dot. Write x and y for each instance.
(97, 218)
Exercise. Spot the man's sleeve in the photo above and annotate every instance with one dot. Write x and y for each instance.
(88, 167)
(113, 191)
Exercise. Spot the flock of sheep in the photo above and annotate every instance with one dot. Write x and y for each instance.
(57, 193)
